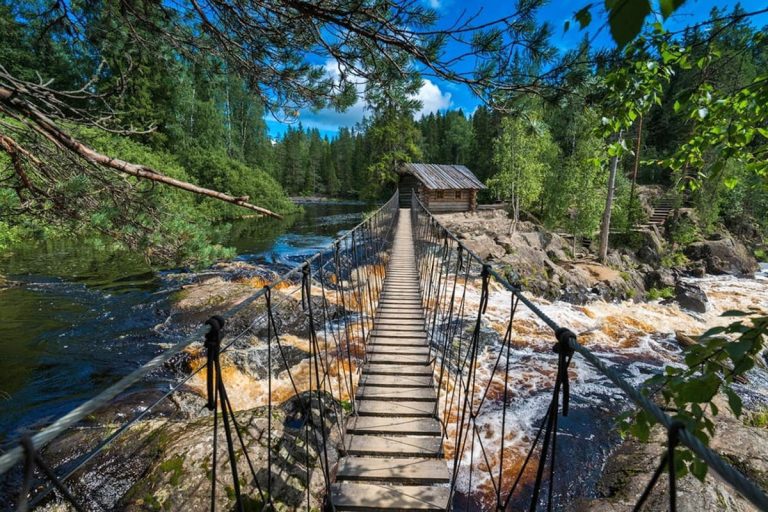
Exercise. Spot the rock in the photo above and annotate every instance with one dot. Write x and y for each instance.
(691, 297)
(628, 470)
(485, 247)
(723, 256)
(647, 254)
(660, 278)
(166, 465)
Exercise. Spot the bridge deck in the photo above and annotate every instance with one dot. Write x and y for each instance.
(393, 451)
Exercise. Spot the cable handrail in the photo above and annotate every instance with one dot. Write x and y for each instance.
(746, 487)
(40, 439)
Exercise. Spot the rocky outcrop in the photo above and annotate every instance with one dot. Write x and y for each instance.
(543, 263)
(166, 462)
(723, 255)
(629, 469)
(691, 297)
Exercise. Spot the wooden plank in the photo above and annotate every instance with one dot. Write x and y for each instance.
(410, 470)
(402, 359)
(418, 350)
(395, 394)
(401, 425)
(399, 338)
(393, 333)
(394, 446)
(355, 496)
(391, 369)
(399, 324)
(423, 381)
(409, 408)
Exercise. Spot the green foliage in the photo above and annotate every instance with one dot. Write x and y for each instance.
(674, 259)
(574, 190)
(661, 293)
(757, 419)
(684, 231)
(625, 17)
(722, 355)
(523, 154)
(761, 255)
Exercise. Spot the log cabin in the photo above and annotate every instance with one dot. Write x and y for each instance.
(442, 188)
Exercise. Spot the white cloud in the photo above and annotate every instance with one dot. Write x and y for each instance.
(432, 98)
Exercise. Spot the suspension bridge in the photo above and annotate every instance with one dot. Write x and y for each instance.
(407, 341)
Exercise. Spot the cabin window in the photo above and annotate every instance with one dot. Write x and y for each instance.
(458, 194)
(439, 194)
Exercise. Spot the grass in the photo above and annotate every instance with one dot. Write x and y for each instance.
(175, 466)
(674, 259)
(661, 293)
(761, 255)
(757, 419)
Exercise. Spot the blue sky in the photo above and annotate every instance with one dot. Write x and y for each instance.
(437, 94)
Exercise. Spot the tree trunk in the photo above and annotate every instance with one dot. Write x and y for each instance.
(630, 214)
(605, 225)
(48, 129)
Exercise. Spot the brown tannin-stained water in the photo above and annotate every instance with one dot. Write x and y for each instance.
(636, 339)
(81, 315)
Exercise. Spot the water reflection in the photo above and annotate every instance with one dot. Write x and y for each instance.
(83, 314)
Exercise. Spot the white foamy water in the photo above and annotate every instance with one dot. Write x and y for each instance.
(638, 339)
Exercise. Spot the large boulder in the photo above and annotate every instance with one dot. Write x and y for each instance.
(629, 469)
(660, 278)
(485, 247)
(723, 255)
(691, 296)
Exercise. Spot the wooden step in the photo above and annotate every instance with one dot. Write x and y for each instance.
(394, 446)
(384, 316)
(395, 394)
(423, 381)
(394, 470)
(392, 369)
(368, 497)
(409, 408)
(398, 359)
(416, 334)
(418, 350)
(409, 325)
(401, 425)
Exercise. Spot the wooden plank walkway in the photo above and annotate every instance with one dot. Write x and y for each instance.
(392, 449)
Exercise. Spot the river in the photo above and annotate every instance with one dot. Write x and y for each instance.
(82, 315)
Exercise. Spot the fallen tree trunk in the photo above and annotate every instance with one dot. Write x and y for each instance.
(12, 104)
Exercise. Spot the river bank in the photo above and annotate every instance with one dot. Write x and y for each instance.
(638, 267)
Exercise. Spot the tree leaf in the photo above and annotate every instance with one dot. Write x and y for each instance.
(699, 390)
(699, 468)
(733, 401)
(670, 6)
(626, 19)
(584, 17)
(735, 312)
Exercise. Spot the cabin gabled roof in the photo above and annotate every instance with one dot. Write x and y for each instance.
(444, 177)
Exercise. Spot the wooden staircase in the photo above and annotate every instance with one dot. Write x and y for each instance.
(661, 211)
(393, 446)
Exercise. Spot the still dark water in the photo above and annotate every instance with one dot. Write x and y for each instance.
(84, 315)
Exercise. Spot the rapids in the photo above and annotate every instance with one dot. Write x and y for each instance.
(81, 314)
(637, 339)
